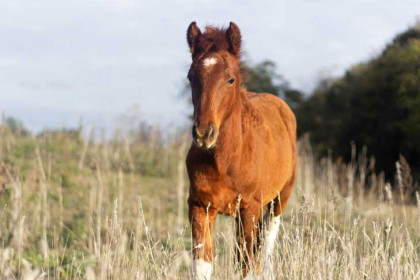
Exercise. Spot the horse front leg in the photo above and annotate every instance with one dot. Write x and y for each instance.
(247, 234)
(202, 222)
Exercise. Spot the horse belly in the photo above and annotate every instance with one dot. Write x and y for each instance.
(276, 170)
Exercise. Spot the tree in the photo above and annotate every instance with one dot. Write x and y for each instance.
(16, 126)
(375, 104)
(263, 78)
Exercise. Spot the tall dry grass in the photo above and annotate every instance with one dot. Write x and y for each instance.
(75, 208)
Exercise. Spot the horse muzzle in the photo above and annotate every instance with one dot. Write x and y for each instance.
(205, 136)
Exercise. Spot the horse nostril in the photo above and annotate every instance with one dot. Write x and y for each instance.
(194, 132)
(204, 137)
(211, 133)
(199, 133)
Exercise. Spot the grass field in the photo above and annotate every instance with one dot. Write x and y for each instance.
(116, 209)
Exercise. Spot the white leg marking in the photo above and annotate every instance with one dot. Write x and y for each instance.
(270, 239)
(272, 230)
(209, 61)
(250, 275)
(201, 270)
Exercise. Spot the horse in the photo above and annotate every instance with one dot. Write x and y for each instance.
(243, 158)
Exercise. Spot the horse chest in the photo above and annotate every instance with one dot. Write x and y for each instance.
(222, 191)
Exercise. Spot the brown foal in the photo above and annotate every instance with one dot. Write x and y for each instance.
(243, 158)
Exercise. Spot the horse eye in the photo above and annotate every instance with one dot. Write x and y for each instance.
(230, 81)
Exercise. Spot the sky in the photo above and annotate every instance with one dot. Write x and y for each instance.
(61, 61)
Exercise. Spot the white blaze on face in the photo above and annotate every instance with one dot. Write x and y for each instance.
(201, 270)
(209, 61)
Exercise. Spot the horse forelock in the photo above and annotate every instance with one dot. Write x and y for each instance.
(213, 40)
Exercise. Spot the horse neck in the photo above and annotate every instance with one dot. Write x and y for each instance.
(231, 136)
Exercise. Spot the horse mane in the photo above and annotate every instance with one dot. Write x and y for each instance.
(213, 40)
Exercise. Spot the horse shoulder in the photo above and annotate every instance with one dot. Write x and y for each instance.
(266, 100)
(267, 103)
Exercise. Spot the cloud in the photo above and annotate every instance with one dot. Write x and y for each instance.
(50, 85)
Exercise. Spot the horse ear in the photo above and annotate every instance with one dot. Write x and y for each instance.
(193, 33)
(233, 35)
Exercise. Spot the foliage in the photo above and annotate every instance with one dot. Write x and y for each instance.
(375, 104)
(264, 78)
(16, 126)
